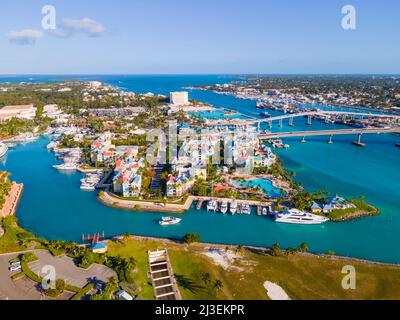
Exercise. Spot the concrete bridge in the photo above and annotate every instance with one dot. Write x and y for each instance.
(308, 114)
(330, 133)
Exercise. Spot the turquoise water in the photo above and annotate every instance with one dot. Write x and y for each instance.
(265, 184)
(53, 206)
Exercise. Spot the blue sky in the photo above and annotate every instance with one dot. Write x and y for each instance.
(193, 36)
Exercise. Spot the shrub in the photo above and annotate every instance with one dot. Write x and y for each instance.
(29, 257)
(83, 292)
(29, 273)
(191, 238)
(60, 287)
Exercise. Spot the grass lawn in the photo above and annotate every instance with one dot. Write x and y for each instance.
(362, 209)
(301, 276)
(14, 236)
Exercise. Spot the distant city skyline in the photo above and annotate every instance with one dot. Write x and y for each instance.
(199, 37)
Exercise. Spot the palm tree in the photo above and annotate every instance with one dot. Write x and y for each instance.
(218, 285)
(290, 251)
(276, 249)
(206, 278)
(303, 247)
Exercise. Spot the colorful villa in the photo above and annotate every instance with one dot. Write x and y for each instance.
(333, 203)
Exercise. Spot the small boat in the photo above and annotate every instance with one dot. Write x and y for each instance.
(10, 144)
(295, 216)
(167, 221)
(66, 166)
(212, 205)
(88, 187)
(52, 145)
(265, 211)
(3, 150)
(233, 207)
(223, 207)
(246, 209)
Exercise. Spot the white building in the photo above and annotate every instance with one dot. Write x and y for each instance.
(179, 98)
(20, 111)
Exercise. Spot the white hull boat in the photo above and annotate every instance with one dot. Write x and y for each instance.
(168, 221)
(295, 216)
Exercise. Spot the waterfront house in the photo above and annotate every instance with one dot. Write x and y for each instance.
(180, 184)
(332, 203)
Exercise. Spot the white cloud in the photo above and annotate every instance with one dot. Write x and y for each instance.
(70, 27)
(24, 37)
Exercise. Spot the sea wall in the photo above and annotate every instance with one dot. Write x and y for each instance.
(12, 200)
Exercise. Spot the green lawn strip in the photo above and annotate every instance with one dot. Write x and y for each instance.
(83, 292)
(362, 210)
(17, 276)
(304, 277)
(29, 273)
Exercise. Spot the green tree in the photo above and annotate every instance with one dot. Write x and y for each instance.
(191, 238)
(276, 249)
(206, 278)
(218, 286)
(303, 247)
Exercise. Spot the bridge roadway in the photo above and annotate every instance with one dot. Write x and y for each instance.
(302, 114)
(276, 135)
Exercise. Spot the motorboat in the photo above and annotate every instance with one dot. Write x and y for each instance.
(66, 166)
(3, 150)
(233, 207)
(212, 205)
(246, 209)
(88, 187)
(167, 221)
(295, 216)
(224, 207)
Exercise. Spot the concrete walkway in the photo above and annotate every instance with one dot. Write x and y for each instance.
(108, 199)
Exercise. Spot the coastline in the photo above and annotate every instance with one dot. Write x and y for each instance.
(260, 249)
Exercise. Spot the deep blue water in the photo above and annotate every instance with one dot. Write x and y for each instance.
(53, 206)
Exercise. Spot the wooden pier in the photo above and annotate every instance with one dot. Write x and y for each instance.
(162, 276)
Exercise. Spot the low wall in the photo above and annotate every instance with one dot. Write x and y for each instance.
(11, 202)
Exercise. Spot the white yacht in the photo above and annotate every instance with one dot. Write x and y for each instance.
(167, 221)
(233, 207)
(66, 166)
(295, 216)
(87, 187)
(246, 209)
(212, 205)
(224, 207)
(26, 137)
(52, 145)
(3, 150)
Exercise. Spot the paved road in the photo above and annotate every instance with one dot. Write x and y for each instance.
(25, 289)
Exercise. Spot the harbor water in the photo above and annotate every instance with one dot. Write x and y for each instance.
(54, 207)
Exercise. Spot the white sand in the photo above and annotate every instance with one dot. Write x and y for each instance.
(222, 258)
(275, 292)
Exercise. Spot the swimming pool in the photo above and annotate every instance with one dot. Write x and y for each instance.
(265, 184)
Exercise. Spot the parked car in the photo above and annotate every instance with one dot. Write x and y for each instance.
(123, 295)
(14, 268)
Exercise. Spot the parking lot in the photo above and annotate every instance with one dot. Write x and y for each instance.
(65, 268)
